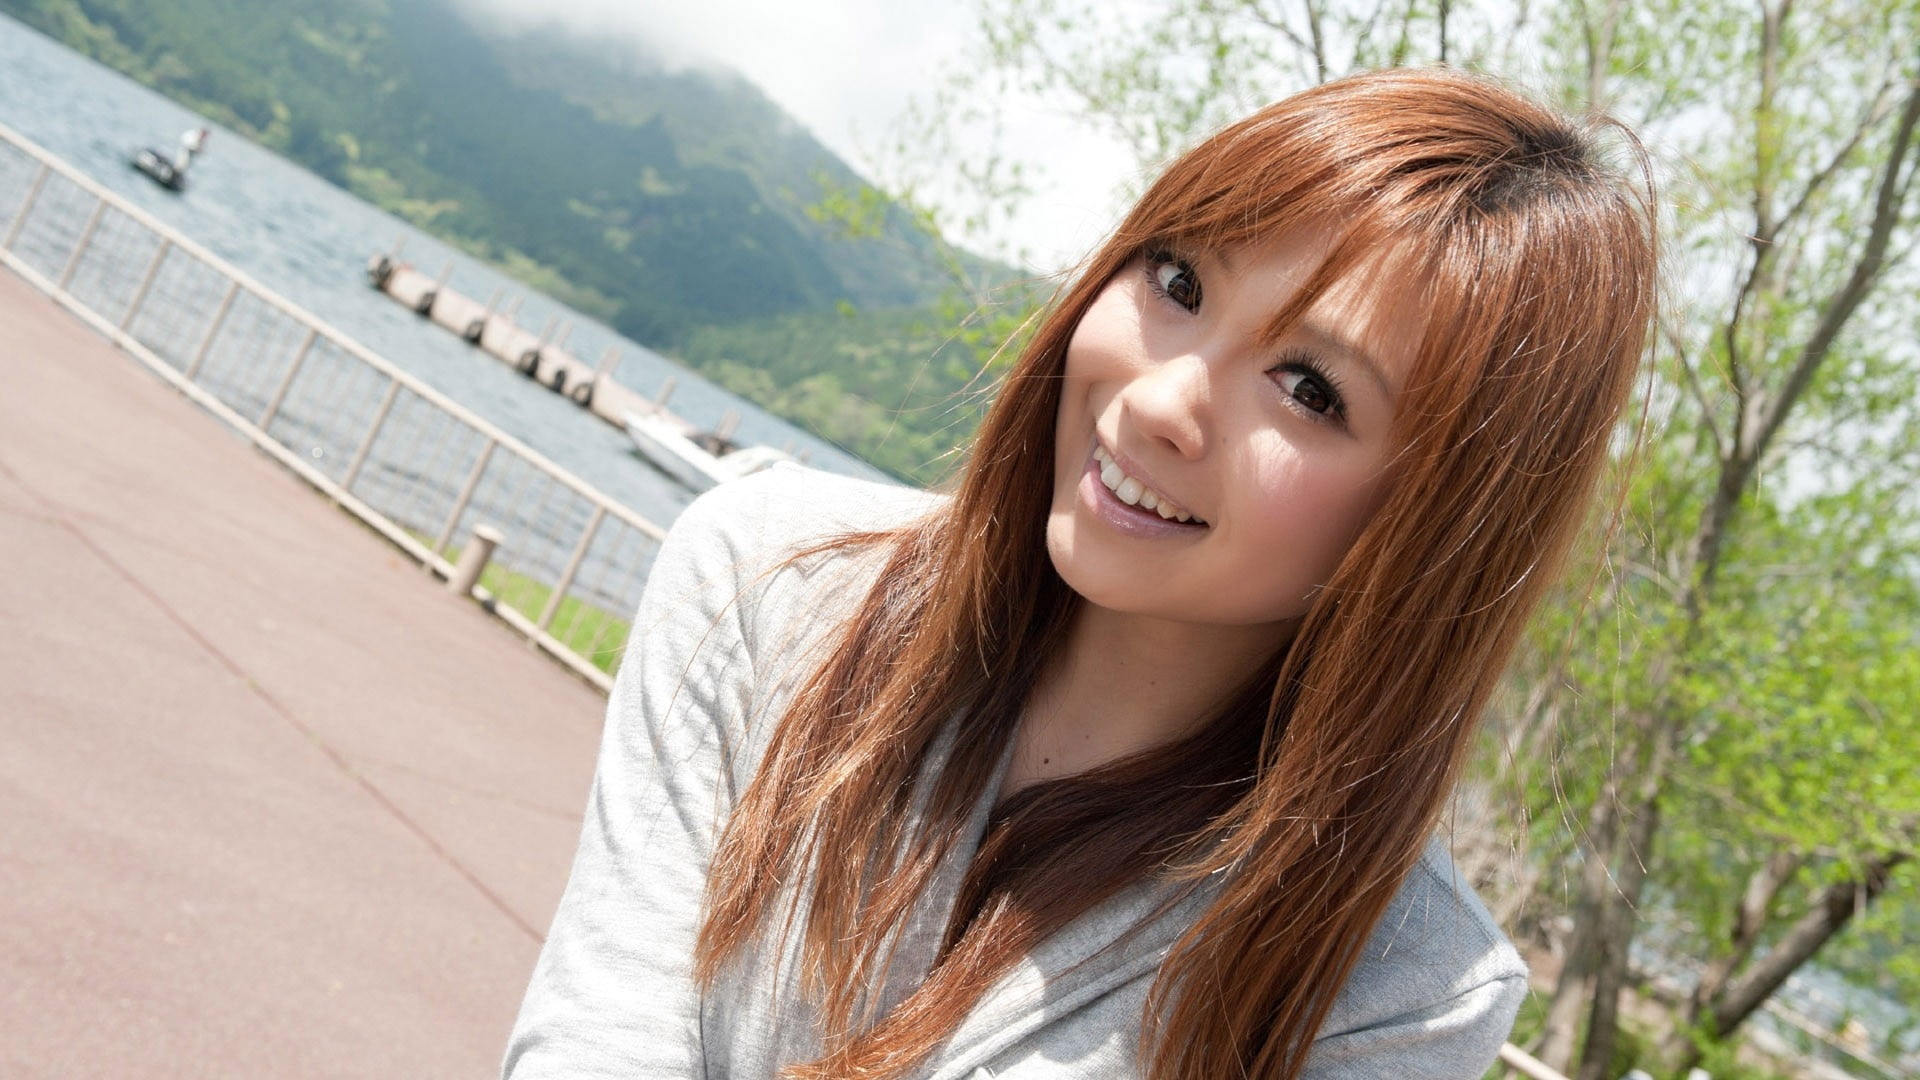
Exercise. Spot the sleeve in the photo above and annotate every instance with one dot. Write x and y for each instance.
(612, 993)
(1454, 1039)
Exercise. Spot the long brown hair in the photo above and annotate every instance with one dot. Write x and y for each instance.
(1320, 779)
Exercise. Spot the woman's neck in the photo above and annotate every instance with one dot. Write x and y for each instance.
(1125, 683)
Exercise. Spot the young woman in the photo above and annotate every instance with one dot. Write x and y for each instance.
(1126, 758)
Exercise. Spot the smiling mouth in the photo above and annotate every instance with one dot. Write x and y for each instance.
(1136, 494)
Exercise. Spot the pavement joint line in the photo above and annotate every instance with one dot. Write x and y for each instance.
(65, 513)
(233, 667)
(570, 816)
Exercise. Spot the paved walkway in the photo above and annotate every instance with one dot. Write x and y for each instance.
(272, 802)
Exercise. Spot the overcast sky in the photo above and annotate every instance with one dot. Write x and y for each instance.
(847, 69)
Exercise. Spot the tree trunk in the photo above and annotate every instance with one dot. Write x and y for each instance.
(1620, 914)
(1560, 1031)
(1559, 1034)
(1609, 977)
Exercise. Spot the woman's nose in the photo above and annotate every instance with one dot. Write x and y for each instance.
(1171, 402)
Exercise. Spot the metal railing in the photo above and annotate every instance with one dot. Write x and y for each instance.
(419, 468)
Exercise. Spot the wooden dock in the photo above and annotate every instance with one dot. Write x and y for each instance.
(542, 357)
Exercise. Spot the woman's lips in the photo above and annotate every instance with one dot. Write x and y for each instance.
(1131, 520)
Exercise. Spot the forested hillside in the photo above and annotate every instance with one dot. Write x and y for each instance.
(672, 204)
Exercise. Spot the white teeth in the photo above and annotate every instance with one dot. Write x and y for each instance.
(1134, 493)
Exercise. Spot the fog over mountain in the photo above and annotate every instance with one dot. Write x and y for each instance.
(845, 69)
(848, 70)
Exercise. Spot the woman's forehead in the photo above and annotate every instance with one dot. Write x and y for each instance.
(1373, 306)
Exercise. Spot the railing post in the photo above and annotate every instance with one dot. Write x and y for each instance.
(573, 567)
(213, 329)
(466, 495)
(373, 432)
(26, 206)
(286, 381)
(146, 283)
(80, 245)
(473, 559)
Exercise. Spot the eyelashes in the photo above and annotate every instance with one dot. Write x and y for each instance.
(1310, 386)
(1173, 278)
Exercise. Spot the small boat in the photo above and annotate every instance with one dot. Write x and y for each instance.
(698, 459)
(171, 172)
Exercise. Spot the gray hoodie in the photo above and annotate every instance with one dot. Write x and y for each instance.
(720, 643)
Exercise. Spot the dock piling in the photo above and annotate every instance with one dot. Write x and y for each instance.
(474, 559)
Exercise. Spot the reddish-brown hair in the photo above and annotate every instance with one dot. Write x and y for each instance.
(1318, 782)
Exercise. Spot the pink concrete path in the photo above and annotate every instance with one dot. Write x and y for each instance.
(272, 802)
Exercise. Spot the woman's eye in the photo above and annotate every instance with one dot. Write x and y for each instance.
(1314, 392)
(1174, 279)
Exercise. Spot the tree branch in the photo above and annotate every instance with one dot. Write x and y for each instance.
(1836, 905)
(1691, 379)
(1764, 233)
(1888, 204)
(1876, 112)
(1760, 416)
(1279, 26)
(1599, 43)
(1315, 31)
(1765, 133)
(1363, 37)
(1763, 888)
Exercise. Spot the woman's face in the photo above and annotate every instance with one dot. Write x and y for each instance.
(1205, 475)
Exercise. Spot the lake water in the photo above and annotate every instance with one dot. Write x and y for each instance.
(309, 241)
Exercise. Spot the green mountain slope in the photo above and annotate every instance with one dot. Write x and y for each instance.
(671, 204)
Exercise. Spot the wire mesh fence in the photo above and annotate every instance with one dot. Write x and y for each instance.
(419, 467)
